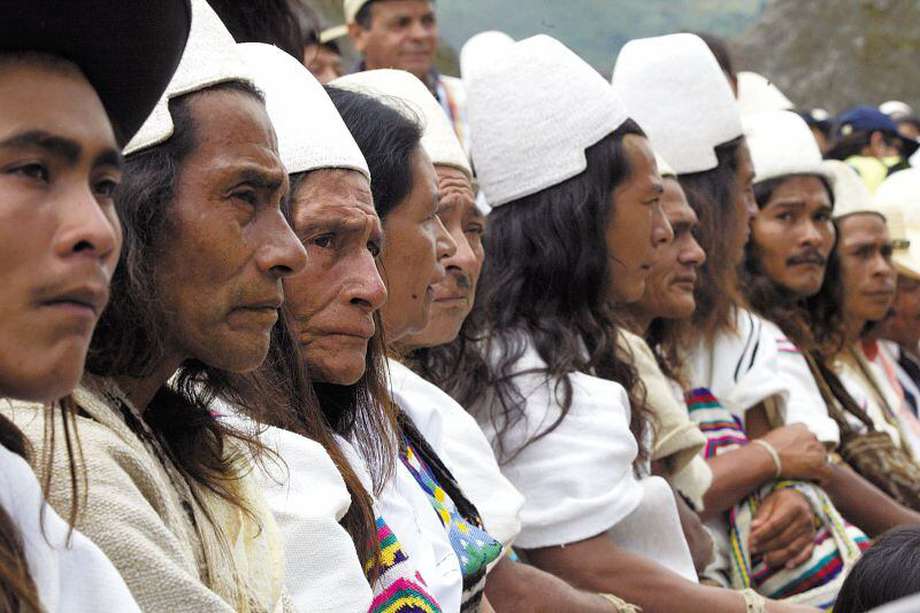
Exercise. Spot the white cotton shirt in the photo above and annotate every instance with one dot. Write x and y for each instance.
(745, 368)
(308, 498)
(464, 449)
(75, 577)
(408, 512)
(578, 481)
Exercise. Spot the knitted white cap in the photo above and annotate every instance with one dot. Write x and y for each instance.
(311, 133)
(673, 87)
(351, 8)
(438, 138)
(899, 198)
(851, 195)
(532, 113)
(757, 94)
(664, 168)
(782, 144)
(481, 50)
(210, 57)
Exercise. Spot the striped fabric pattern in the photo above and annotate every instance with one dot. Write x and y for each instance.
(394, 592)
(837, 544)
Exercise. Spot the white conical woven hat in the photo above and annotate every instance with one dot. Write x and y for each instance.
(851, 195)
(533, 112)
(782, 144)
(210, 57)
(673, 87)
(311, 133)
(757, 94)
(438, 138)
(899, 197)
(481, 50)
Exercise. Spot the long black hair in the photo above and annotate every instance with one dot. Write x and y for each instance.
(546, 282)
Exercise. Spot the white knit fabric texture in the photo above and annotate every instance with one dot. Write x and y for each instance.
(438, 139)
(673, 87)
(532, 113)
(850, 192)
(782, 144)
(757, 94)
(481, 50)
(311, 133)
(210, 58)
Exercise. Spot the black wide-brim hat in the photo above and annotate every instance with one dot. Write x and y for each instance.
(128, 49)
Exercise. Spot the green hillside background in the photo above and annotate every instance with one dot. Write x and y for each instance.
(827, 53)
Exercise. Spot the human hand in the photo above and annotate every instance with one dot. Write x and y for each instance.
(783, 530)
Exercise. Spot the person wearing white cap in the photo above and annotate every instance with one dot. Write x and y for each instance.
(574, 231)
(757, 94)
(168, 496)
(856, 294)
(315, 486)
(901, 192)
(71, 95)
(403, 34)
(792, 241)
(465, 452)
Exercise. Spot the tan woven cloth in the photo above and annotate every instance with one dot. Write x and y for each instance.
(621, 605)
(140, 513)
(678, 441)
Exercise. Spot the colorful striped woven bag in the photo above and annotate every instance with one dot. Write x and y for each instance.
(837, 544)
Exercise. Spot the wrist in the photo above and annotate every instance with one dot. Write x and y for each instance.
(773, 454)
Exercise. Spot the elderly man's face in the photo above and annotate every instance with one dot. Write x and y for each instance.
(867, 275)
(220, 276)
(454, 296)
(793, 235)
(903, 327)
(59, 233)
(334, 299)
(403, 34)
(670, 287)
(416, 247)
(745, 203)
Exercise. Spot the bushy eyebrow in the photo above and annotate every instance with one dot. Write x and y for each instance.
(58, 146)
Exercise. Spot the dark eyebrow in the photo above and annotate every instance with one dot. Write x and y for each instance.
(110, 157)
(62, 147)
(261, 179)
(56, 145)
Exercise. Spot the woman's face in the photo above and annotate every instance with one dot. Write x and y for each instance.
(637, 224)
(415, 243)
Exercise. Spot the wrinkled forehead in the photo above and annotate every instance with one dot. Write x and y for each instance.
(863, 229)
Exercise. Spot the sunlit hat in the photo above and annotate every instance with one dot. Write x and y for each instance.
(673, 87)
(896, 109)
(128, 50)
(781, 144)
(334, 33)
(438, 137)
(481, 50)
(211, 57)
(899, 198)
(851, 196)
(757, 94)
(533, 112)
(311, 133)
(664, 168)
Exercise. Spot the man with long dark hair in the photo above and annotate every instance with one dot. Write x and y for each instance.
(72, 94)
